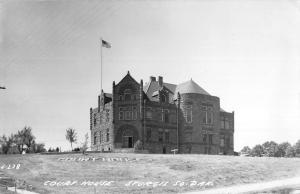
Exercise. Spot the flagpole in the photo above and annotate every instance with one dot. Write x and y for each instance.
(101, 65)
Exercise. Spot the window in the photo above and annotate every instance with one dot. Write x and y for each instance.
(163, 98)
(209, 117)
(121, 114)
(134, 113)
(127, 115)
(127, 95)
(135, 97)
(121, 98)
(228, 142)
(188, 113)
(95, 120)
(210, 140)
(167, 136)
(166, 115)
(222, 122)
(100, 137)
(162, 115)
(148, 135)
(222, 141)
(160, 135)
(226, 123)
(107, 135)
(207, 114)
(204, 138)
(148, 113)
(107, 116)
(95, 138)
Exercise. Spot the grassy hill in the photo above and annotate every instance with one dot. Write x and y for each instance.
(152, 173)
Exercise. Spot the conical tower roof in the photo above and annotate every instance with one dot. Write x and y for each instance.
(189, 87)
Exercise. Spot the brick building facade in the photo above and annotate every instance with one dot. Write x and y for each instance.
(163, 117)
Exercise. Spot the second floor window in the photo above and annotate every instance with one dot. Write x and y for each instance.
(188, 114)
(134, 113)
(225, 123)
(127, 95)
(148, 113)
(207, 114)
(127, 115)
(166, 116)
(121, 114)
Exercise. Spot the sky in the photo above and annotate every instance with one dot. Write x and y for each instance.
(244, 51)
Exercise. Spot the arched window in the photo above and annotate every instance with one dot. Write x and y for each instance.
(127, 95)
(163, 98)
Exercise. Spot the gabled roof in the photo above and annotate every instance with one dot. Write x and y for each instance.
(126, 78)
(153, 87)
(189, 87)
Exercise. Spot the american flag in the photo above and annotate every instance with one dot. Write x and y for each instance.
(106, 44)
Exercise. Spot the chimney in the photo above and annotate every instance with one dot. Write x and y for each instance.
(160, 81)
(152, 79)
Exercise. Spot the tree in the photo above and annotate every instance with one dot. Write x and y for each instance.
(297, 147)
(257, 150)
(39, 147)
(84, 146)
(3, 142)
(246, 150)
(24, 137)
(7, 143)
(282, 149)
(290, 152)
(28, 138)
(71, 136)
(270, 148)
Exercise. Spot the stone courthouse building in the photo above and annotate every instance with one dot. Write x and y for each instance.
(163, 117)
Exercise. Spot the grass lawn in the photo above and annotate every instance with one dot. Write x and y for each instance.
(179, 171)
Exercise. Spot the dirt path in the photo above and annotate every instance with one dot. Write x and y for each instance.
(284, 183)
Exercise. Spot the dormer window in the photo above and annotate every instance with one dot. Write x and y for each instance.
(127, 95)
(163, 98)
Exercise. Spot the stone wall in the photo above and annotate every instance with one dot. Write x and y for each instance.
(192, 134)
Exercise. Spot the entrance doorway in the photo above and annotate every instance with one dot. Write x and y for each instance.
(127, 142)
